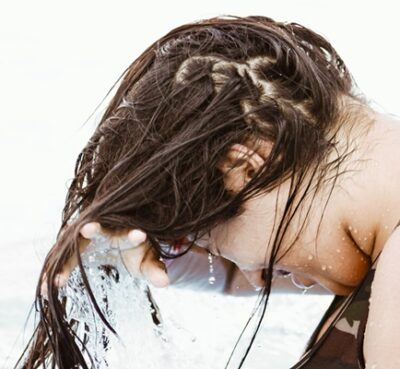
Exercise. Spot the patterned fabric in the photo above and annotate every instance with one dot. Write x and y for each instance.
(341, 346)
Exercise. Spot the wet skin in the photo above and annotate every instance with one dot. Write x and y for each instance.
(355, 225)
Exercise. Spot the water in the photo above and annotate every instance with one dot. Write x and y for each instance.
(143, 339)
(203, 325)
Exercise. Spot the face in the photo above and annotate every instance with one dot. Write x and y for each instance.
(247, 239)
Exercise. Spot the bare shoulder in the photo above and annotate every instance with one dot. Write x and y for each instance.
(371, 193)
(382, 334)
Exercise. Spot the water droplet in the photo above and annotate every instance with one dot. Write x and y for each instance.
(386, 227)
(323, 267)
(330, 266)
(365, 238)
(343, 238)
(211, 280)
(338, 251)
(310, 257)
(350, 228)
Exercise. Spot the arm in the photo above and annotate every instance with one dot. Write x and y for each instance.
(382, 333)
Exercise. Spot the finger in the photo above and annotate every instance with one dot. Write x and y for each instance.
(144, 262)
(136, 237)
(154, 270)
(133, 257)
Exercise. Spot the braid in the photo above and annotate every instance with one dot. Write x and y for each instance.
(252, 73)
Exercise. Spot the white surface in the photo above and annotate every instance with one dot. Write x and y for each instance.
(57, 60)
(214, 320)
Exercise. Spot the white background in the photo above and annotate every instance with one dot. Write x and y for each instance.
(59, 59)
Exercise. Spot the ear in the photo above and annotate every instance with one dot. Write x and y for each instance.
(241, 163)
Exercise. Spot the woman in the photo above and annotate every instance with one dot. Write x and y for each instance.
(246, 137)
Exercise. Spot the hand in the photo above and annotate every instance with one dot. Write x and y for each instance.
(141, 260)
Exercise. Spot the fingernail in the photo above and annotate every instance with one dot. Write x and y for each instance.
(137, 237)
(90, 229)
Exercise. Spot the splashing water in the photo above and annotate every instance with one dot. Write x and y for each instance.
(143, 340)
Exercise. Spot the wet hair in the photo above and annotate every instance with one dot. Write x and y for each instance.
(152, 162)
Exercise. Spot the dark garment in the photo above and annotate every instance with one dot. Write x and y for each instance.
(341, 346)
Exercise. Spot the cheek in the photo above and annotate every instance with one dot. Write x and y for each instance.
(225, 242)
(239, 242)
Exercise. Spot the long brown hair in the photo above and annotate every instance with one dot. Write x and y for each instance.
(152, 162)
